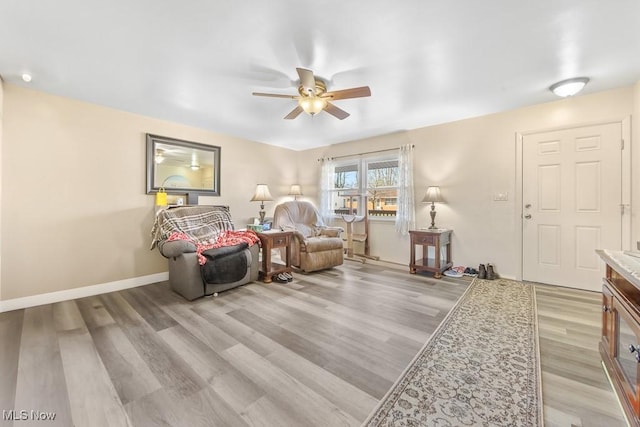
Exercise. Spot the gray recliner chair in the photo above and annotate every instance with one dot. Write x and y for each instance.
(179, 231)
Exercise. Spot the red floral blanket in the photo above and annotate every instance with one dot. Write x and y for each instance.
(226, 238)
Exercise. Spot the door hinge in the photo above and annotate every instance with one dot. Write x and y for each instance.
(622, 144)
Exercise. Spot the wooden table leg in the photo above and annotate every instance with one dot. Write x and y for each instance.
(412, 260)
(266, 262)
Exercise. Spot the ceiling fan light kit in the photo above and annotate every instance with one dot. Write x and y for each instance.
(312, 104)
(314, 97)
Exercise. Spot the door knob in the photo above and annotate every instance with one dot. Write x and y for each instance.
(527, 216)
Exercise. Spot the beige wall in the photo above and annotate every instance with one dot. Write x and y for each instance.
(472, 160)
(1, 133)
(635, 168)
(74, 210)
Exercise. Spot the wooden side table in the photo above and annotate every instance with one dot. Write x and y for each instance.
(273, 240)
(439, 238)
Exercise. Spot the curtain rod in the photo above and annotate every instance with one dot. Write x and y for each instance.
(362, 154)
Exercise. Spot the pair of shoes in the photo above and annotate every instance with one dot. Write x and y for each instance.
(482, 272)
(284, 277)
(490, 273)
(279, 278)
(487, 273)
(470, 271)
(452, 273)
(459, 269)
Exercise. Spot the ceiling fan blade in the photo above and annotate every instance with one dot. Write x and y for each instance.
(307, 80)
(294, 113)
(335, 111)
(275, 95)
(356, 92)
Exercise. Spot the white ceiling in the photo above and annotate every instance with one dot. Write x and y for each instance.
(198, 61)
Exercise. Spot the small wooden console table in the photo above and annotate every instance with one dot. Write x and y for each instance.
(273, 240)
(438, 239)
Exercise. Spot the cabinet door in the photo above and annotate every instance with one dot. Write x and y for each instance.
(626, 354)
(607, 318)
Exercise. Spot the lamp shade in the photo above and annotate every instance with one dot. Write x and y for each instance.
(433, 195)
(295, 190)
(262, 193)
(569, 87)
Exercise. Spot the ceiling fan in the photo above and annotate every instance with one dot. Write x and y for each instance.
(314, 97)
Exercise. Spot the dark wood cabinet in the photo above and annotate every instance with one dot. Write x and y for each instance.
(620, 344)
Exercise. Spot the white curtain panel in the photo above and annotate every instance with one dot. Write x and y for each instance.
(327, 178)
(406, 215)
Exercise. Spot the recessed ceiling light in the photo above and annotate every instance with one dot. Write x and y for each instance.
(569, 87)
(26, 77)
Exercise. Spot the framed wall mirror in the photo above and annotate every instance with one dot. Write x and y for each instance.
(182, 166)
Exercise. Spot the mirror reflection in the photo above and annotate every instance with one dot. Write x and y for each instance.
(179, 166)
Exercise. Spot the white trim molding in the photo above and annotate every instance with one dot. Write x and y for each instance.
(81, 292)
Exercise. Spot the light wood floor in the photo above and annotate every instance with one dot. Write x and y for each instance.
(321, 350)
(576, 391)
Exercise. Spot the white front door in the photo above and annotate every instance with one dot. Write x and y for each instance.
(572, 192)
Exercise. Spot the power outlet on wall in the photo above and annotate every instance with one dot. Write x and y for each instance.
(500, 197)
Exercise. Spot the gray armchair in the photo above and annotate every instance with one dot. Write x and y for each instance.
(224, 267)
(314, 246)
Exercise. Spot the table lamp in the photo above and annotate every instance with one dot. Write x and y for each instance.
(262, 195)
(433, 196)
(295, 191)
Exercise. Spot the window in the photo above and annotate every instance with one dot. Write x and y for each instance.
(382, 185)
(374, 179)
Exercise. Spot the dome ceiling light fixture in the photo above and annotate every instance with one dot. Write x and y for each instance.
(569, 87)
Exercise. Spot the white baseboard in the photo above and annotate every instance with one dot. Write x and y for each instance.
(81, 292)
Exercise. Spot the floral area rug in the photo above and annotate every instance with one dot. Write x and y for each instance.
(481, 367)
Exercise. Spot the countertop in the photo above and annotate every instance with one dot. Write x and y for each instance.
(626, 265)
